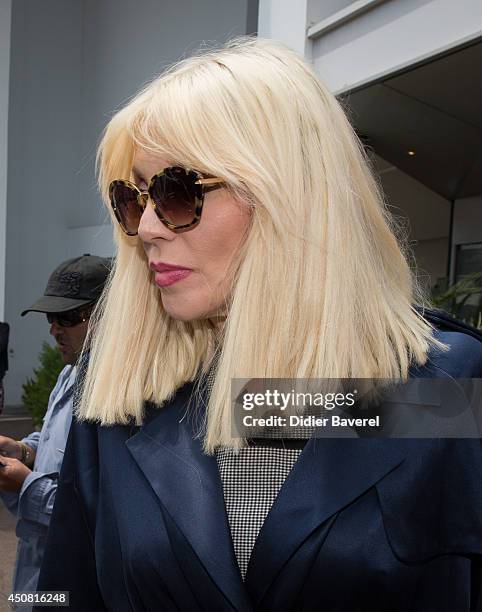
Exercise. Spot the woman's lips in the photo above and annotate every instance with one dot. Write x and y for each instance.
(169, 277)
(168, 274)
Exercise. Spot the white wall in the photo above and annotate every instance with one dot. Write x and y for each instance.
(73, 62)
(285, 21)
(93, 239)
(43, 157)
(393, 34)
(426, 216)
(321, 9)
(431, 257)
(423, 215)
(389, 35)
(5, 21)
(428, 212)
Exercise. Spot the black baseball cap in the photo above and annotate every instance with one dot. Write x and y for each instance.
(76, 282)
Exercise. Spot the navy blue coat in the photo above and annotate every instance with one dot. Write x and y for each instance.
(360, 525)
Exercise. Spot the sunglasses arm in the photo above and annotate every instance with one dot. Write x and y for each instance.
(209, 184)
(209, 181)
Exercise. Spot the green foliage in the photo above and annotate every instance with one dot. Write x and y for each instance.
(36, 390)
(454, 298)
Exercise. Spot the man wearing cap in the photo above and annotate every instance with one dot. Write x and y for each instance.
(29, 468)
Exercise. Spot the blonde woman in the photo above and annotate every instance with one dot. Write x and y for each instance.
(252, 241)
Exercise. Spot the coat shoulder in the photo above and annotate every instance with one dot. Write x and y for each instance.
(463, 359)
(432, 504)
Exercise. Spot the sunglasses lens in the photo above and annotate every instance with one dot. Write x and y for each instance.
(176, 195)
(61, 319)
(71, 317)
(128, 212)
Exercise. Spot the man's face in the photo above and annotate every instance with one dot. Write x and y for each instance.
(70, 339)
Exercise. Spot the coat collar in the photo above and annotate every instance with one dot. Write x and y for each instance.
(327, 476)
(188, 485)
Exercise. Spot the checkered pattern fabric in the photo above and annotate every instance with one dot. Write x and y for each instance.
(251, 479)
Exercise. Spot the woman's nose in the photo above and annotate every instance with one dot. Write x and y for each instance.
(151, 227)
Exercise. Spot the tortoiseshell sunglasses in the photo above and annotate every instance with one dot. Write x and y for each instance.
(177, 196)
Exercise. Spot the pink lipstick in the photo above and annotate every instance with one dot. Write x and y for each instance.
(168, 274)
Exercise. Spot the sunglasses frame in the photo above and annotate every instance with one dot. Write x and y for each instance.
(203, 185)
(84, 313)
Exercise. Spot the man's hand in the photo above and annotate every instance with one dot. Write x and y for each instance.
(10, 448)
(12, 474)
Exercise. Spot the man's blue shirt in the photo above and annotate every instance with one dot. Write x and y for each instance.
(33, 504)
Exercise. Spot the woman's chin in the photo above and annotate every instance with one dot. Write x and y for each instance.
(181, 310)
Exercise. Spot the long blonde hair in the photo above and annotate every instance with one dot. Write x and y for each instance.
(322, 289)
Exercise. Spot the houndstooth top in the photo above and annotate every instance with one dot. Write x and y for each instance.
(251, 481)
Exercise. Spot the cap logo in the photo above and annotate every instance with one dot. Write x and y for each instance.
(69, 283)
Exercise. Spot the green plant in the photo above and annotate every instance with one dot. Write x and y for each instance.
(36, 390)
(454, 298)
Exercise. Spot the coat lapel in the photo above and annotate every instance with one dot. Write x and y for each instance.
(188, 485)
(328, 475)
